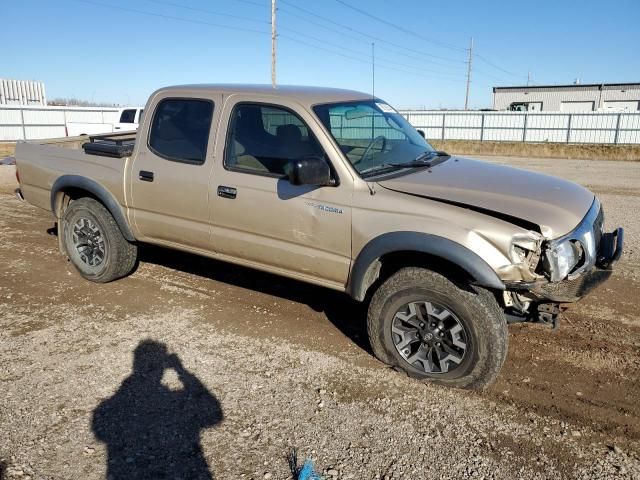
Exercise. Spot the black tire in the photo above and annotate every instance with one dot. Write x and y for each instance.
(483, 334)
(94, 243)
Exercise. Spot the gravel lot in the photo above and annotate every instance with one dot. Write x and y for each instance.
(214, 370)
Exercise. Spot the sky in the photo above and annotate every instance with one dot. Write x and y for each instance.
(120, 51)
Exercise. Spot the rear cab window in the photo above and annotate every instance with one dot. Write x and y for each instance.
(128, 116)
(180, 129)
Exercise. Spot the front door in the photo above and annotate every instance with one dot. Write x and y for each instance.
(258, 216)
(169, 177)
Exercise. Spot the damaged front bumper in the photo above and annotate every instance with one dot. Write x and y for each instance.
(575, 287)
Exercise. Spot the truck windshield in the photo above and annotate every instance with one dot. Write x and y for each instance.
(373, 136)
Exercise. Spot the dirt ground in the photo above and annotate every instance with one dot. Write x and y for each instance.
(233, 368)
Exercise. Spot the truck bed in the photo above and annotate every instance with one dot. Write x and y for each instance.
(41, 163)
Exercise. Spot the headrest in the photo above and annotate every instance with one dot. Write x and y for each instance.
(289, 133)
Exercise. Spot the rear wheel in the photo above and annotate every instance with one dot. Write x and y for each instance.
(427, 326)
(94, 243)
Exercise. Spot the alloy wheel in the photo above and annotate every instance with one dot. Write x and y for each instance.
(429, 337)
(88, 242)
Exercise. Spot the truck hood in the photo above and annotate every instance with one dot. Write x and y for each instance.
(519, 196)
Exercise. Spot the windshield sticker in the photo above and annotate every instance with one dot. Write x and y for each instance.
(385, 108)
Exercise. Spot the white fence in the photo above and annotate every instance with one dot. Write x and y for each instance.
(31, 123)
(22, 122)
(594, 127)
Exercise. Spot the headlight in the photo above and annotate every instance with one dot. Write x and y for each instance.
(560, 259)
(574, 253)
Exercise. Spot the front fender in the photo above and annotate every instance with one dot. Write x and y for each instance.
(360, 278)
(98, 191)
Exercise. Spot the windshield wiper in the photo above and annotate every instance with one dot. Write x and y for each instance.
(425, 159)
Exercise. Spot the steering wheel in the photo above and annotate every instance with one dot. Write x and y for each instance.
(370, 146)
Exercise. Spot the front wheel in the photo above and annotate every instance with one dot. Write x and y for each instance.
(432, 329)
(94, 243)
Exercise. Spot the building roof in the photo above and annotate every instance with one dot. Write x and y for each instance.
(573, 86)
(303, 94)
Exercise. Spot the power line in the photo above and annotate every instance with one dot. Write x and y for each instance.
(488, 75)
(171, 17)
(362, 60)
(498, 67)
(211, 12)
(335, 30)
(364, 34)
(362, 55)
(251, 2)
(308, 12)
(358, 58)
(302, 42)
(400, 28)
(354, 37)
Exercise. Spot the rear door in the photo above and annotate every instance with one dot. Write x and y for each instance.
(169, 177)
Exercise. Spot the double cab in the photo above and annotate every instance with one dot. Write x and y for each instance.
(335, 188)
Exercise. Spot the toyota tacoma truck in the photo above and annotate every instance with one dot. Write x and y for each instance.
(335, 188)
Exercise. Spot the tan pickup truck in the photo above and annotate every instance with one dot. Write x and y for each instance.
(335, 188)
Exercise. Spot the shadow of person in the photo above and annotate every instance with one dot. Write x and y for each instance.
(152, 431)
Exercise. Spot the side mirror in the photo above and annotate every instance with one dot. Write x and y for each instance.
(310, 171)
(421, 133)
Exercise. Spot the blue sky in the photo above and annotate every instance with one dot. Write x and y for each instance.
(105, 51)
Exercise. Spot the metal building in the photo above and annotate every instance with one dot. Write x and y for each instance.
(21, 92)
(602, 97)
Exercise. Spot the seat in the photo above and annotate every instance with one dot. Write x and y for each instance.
(243, 160)
(250, 132)
(169, 139)
(290, 144)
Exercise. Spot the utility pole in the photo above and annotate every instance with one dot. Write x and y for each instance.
(273, 43)
(466, 98)
(528, 77)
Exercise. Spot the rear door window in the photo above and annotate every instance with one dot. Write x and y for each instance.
(180, 129)
(128, 116)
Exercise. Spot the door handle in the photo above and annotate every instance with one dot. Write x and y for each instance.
(145, 176)
(227, 192)
(116, 128)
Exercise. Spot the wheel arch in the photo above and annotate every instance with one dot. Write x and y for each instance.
(76, 186)
(425, 249)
